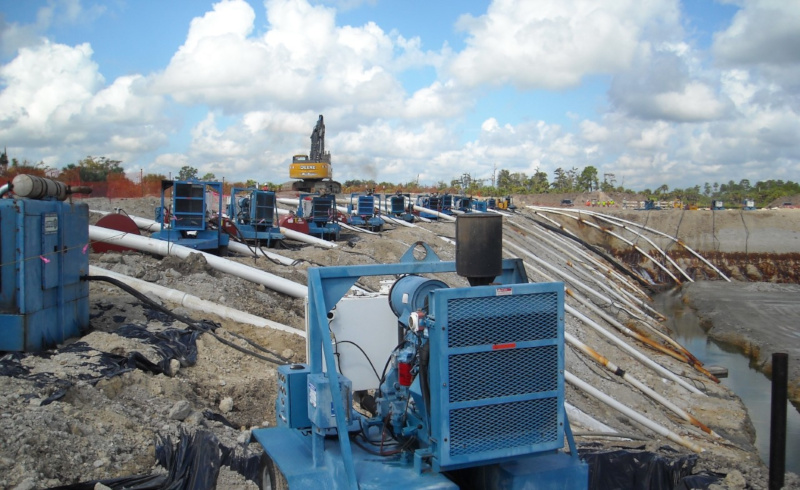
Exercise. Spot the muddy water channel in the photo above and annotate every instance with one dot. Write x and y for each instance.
(752, 386)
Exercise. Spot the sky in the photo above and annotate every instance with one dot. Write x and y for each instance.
(648, 92)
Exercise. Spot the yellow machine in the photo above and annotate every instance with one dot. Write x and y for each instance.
(506, 203)
(314, 170)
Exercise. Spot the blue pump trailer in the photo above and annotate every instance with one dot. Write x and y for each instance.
(254, 214)
(362, 211)
(432, 202)
(321, 214)
(186, 221)
(399, 206)
(43, 254)
(472, 395)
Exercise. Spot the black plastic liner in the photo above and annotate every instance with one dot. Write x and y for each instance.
(630, 468)
(193, 463)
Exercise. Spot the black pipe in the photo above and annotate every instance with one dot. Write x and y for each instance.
(777, 427)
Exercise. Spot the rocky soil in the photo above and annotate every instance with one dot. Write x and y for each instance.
(92, 409)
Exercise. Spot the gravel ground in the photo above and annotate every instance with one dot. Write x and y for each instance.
(65, 420)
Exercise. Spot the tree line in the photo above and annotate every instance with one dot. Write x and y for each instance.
(564, 181)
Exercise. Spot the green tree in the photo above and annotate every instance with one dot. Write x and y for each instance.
(209, 176)
(95, 169)
(588, 181)
(187, 173)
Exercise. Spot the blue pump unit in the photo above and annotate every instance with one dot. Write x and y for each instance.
(362, 211)
(399, 206)
(186, 222)
(43, 254)
(254, 214)
(475, 385)
(432, 202)
(321, 214)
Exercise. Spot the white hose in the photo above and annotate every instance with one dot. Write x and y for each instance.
(164, 248)
(446, 217)
(193, 302)
(630, 413)
(236, 247)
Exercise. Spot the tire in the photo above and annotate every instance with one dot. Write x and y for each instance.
(271, 476)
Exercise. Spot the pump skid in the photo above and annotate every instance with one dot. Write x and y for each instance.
(473, 391)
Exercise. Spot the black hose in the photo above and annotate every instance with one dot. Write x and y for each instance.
(205, 326)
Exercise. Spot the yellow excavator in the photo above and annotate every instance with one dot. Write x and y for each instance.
(314, 170)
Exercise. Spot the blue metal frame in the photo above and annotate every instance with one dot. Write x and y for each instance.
(187, 224)
(256, 221)
(43, 254)
(361, 211)
(309, 459)
(322, 220)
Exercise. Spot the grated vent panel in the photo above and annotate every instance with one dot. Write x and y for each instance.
(491, 374)
(502, 319)
(504, 426)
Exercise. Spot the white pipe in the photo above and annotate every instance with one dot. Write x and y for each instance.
(398, 221)
(631, 350)
(355, 228)
(613, 339)
(616, 370)
(435, 213)
(164, 248)
(679, 242)
(236, 247)
(573, 280)
(302, 237)
(630, 413)
(674, 239)
(578, 416)
(624, 240)
(5, 189)
(557, 241)
(610, 290)
(193, 302)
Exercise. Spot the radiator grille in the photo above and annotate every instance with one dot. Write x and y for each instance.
(500, 361)
(502, 319)
(492, 374)
(504, 426)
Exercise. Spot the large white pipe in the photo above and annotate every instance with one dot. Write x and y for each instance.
(629, 412)
(616, 370)
(578, 416)
(4, 189)
(302, 237)
(236, 247)
(446, 217)
(678, 241)
(631, 350)
(674, 239)
(193, 302)
(164, 248)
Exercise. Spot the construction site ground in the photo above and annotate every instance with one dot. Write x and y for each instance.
(101, 427)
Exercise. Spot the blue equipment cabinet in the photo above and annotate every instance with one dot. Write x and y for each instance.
(186, 221)
(254, 214)
(43, 254)
(473, 392)
(321, 214)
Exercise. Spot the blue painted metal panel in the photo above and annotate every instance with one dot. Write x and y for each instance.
(293, 455)
(43, 252)
(497, 364)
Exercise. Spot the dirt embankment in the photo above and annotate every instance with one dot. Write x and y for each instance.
(757, 318)
(752, 246)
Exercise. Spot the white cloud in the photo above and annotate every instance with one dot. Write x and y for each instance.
(56, 100)
(223, 66)
(762, 32)
(553, 44)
